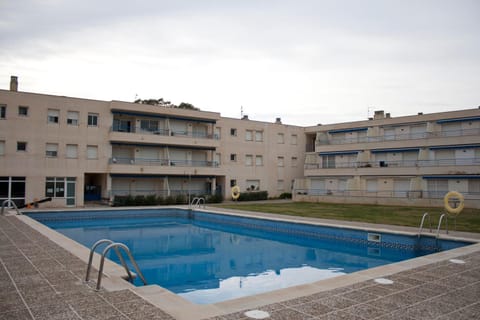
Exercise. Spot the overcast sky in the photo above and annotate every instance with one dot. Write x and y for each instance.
(306, 61)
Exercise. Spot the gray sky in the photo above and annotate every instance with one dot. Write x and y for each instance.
(306, 61)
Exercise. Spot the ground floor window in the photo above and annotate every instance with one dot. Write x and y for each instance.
(61, 187)
(13, 188)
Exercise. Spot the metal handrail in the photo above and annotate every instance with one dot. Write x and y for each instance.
(197, 201)
(115, 246)
(440, 224)
(9, 202)
(425, 215)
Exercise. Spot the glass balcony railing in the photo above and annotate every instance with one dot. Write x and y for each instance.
(163, 162)
(395, 164)
(416, 194)
(398, 137)
(162, 132)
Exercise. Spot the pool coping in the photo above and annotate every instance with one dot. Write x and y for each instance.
(184, 309)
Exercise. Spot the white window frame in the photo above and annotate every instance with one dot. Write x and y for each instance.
(53, 116)
(51, 150)
(258, 160)
(249, 160)
(72, 151)
(72, 118)
(259, 136)
(90, 121)
(248, 135)
(92, 152)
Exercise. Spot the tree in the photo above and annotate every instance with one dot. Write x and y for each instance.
(167, 104)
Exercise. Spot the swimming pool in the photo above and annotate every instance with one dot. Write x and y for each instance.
(210, 257)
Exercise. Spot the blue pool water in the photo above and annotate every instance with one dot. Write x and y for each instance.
(207, 258)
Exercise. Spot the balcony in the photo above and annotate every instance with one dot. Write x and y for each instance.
(162, 166)
(134, 135)
(396, 164)
(404, 167)
(399, 137)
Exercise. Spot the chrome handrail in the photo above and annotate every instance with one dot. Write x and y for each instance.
(115, 246)
(9, 202)
(425, 215)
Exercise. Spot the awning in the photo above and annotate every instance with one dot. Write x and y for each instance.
(394, 150)
(464, 146)
(459, 119)
(348, 130)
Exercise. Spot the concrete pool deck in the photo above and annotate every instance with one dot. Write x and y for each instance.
(42, 273)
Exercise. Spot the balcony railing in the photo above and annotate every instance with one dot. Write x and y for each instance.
(399, 137)
(163, 162)
(158, 193)
(416, 194)
(163, 132)
(396, 164)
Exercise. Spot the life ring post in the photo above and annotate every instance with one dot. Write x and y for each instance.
(458, 200)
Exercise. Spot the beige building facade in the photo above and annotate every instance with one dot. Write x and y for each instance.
(79, 150)
(412, 160)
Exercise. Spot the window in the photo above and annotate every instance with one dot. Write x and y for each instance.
(217, 133)
(328, 161)
(233, 157)
(280, 185)
(233, 183)
(72, 151)
(3, 111)
(249, 160)
(259, 160)
(249, 135)
(149, 125)
(21, 146)
(258, 135)
(233, 132)
(281, 138)
(280, 161)
(2, 148)
(51, 150)
(253, 185)
(72, 118)
(92, 152)
(55, 187)
(294, 139)
(23, 111)
(294, 162)
(217, 159)
(92, 120)
(13, 188)
(53, 115)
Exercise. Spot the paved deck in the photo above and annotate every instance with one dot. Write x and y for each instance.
(41, 280)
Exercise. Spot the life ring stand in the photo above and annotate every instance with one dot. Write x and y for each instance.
(235, 192)
(446, 202)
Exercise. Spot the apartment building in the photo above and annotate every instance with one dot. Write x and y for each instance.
(78, 150)
(412, 160)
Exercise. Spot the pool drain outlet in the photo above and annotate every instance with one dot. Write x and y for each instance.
(257, 314)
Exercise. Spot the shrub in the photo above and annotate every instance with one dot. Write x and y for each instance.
(286, 195)
(253, 196)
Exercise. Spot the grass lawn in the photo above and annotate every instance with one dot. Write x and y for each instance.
(467, 220)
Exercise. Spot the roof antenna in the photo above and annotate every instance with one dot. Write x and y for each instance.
(241, 112)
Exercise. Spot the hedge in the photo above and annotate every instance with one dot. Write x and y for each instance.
(153, 200)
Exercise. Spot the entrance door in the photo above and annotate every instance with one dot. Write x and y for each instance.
(13, 188)
(71, 191)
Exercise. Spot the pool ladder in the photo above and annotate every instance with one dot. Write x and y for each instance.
(7, 203)
(115, 246)
(427, 215)
(197, 201)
